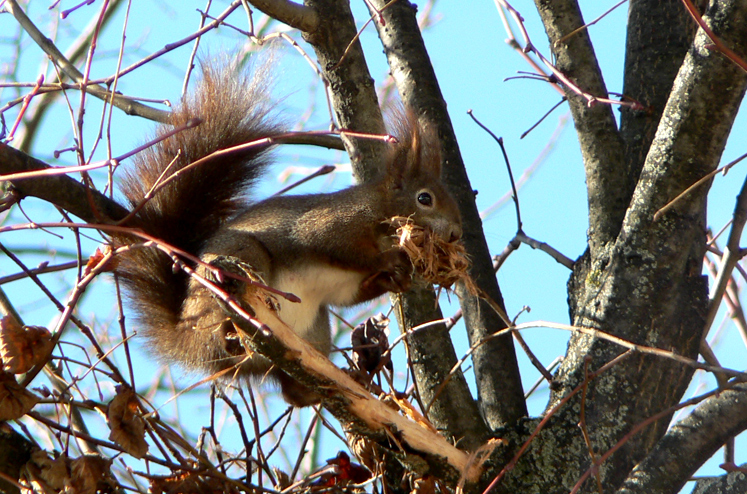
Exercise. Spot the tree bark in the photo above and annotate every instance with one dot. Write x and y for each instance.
(500, 393)
(351, 87)
(681, 451)
(650, 289)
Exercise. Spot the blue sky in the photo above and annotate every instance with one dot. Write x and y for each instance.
(471, 59)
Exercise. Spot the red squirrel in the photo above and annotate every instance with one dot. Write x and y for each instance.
(332, 249)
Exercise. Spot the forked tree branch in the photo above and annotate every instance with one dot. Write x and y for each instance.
(652, 290)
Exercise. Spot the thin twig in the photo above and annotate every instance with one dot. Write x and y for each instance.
(732, 254)
(697, 184)
(499, 140)
(71, 71)
(547, 114)
(586, 26)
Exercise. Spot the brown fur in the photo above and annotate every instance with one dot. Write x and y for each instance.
(332, 249)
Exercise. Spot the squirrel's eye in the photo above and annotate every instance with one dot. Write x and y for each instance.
(425, 199)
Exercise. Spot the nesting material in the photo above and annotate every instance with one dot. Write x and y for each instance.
(435, 260)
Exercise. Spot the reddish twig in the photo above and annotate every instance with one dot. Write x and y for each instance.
(717, 43)
(511, 464)
(26, 100)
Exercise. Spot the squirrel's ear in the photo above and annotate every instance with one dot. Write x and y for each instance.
(417, 151)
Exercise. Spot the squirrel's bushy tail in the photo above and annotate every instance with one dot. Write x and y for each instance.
(234, 108)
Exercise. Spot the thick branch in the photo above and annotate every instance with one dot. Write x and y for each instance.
(15, 451)
(349, 83)
(61, 190)
(601, 146)
(683, 449)
(659, 35)
(732, 483)
(431, 355)
(652, 291)
(499, 383)
(295, 15)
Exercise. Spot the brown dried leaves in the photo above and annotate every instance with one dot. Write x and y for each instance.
(87, 474)
(436, 260)
(126, 424)
(23, 347)
(370, 342)
(15, 400)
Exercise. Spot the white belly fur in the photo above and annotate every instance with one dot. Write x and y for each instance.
(315, 286)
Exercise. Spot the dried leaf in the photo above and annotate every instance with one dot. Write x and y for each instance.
(436, 260)
(126, 424)
(90, 474)
(44, 474)
(15, 401)
(370, 341)
(21, 348)
(96, 259)
(188, 483)
(87, 474)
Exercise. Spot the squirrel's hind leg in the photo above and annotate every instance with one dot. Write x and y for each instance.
(209, 338)
(295, 393)
(227, 351)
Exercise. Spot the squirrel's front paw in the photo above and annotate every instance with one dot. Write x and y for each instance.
(398, 272)
(394, 275)
(227, 264)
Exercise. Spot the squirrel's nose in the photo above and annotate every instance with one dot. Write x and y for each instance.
(456, 233)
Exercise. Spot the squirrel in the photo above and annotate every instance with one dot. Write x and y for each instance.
(328, 249)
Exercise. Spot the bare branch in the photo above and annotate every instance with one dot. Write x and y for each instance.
(652, 59)
(77, 50)
(350, 84)
(61, 190)
(732, 254)
(295, 15)
(127, 105)
(689, 442)
(601, 145)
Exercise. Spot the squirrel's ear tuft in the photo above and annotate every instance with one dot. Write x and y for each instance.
(417, 150)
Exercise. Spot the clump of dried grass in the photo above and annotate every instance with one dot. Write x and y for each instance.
(435, 260)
